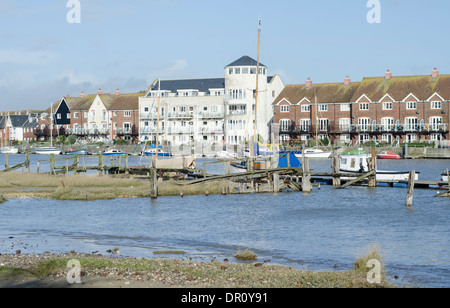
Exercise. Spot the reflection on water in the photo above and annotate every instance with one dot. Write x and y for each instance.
(319, 231)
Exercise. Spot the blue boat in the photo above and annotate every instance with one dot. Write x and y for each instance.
(152, 151)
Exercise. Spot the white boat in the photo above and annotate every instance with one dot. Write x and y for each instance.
(47, 150)
(226, 154)
(314, 153)
(357, 163)
(444, 176)
(152, 152)
(9, 150)
(114, 152)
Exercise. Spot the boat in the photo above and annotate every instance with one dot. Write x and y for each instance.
(47, 150)
(389, 155)
(445, 176)
(356, 162)
(9, 150)
(283, 160)
(114, 152)
(314, 153)
(226, 154)
(72, 152)
(151, 152)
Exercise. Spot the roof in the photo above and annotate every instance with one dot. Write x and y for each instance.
(2, 122)
(326, 93)
(399, 87)
(245, 61)
(125, 101)
(202, 85)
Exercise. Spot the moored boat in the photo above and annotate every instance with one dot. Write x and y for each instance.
(114, 152)
(389, 155)
(152, 152)
(357, 163)
(314, 153)
(9, 150)
(445, 175)
(47, 150)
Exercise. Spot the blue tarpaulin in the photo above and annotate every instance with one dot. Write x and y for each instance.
(293, 160)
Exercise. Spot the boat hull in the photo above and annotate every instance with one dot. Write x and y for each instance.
(48, 151)
(384, 176)
(9, 151)
(164, 154)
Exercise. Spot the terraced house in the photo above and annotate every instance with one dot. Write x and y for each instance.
(385, 109)
(94, 117)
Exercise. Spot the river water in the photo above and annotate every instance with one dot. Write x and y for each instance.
(324, 230)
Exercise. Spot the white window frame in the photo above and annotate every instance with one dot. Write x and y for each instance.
(345, 107)
(323, 107)
(284, 108)
(436, 105)
(306, 108)
(411, 105)
(388, 105)
(363, 106)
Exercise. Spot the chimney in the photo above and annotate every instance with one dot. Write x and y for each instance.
(117, 92)
(435, 73)
(99, 92)
(82, 95)
(388, 75)
(347, 81)
(309, 82)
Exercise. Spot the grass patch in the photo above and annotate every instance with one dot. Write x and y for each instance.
(2, 199)
(247, 255)
(169, 252)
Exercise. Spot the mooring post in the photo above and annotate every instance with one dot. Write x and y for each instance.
(276, 182)
(154, 180)
(410, 193)
(6, 160)
(306, 177)
(372, 182)
(335, 167)
(100, 165)
(27, 162)
(52, 164)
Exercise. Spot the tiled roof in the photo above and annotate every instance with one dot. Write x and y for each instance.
(245, 61)
(202, 85)
(125, 101)
(422, 87)
(326, 93)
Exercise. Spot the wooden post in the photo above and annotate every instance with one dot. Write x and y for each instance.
(335, 167)
(153, 180)
(372, 178)
(127, 170)
(6, 160)
(410, 193)
(27, 162)
(306, 177)
(52, 163)
(100, 164)
(276, 182)
(227, 167)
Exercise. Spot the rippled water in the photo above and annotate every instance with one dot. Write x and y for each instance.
(319, 231)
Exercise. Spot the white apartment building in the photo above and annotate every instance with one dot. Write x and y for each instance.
(210, 113)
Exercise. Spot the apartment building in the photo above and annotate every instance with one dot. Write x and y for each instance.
(210, 111)
(385, 109)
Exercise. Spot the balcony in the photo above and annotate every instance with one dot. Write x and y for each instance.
(130, 131)
(211, 115)
(181, 115)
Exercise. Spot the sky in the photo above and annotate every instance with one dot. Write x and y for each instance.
(126, 45)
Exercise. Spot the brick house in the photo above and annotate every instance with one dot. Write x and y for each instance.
(382, 109)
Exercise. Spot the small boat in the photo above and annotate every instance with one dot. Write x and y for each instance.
(72, 152)
(444, 176)
(389, 155)
(151, 152)
(226, 154)
(285, 159)
(313, 153)
(357, 163)
(114, 152)
(47, 151)
(9, 150)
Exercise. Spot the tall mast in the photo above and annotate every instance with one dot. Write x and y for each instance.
(51, 124)
(157, 119)
(257, 80)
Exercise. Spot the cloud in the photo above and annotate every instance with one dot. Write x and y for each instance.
(25, 57)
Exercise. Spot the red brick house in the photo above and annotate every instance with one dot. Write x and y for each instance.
(382, 109)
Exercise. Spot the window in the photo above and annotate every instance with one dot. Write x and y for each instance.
(387, 106)
(306, 108)
(411, 123)
(323, 124)
(230, 71)
(344, 124)
(285, 125)
(236, 94)
(323, 107)
(436, 105)
(75, 115)
(305, 125)
(237, 70)
(127, 113)
(345, 107)
(387, 123)
(58, 116)
(411, 105)
(253, 70)
(146, 109)
(435, 123)
(245, 70)
(364, 123)
(284, 108)
(364, 106)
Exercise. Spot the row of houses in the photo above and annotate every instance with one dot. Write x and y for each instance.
(222, 111)
(387, 109)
